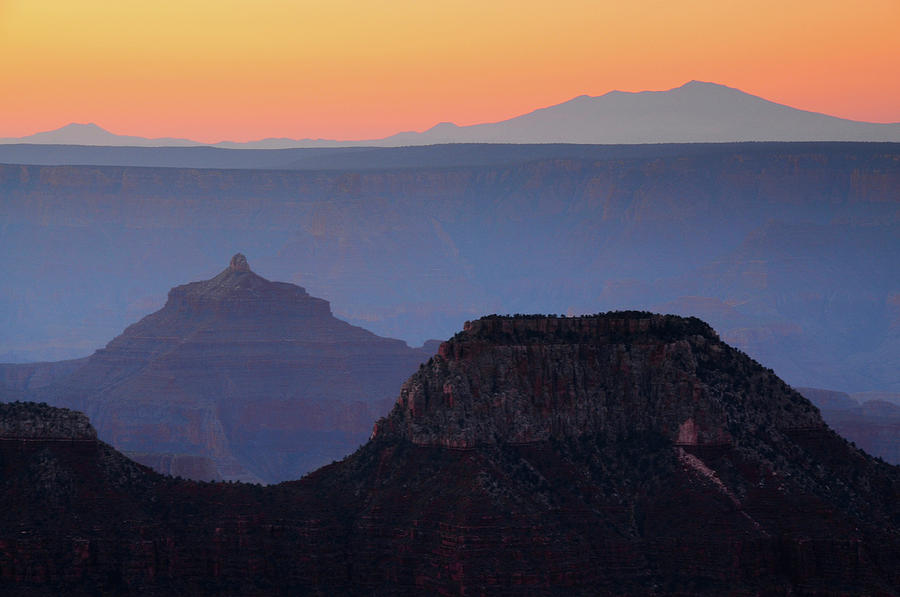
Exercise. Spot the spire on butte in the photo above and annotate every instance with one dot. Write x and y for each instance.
(239, 263)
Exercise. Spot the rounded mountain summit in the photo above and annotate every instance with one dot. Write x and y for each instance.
(255, 376)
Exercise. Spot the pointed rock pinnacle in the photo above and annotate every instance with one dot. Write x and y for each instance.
(239, 263)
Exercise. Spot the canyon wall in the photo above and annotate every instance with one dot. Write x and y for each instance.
(790, 251)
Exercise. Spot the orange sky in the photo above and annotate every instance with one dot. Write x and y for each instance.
(241, 70)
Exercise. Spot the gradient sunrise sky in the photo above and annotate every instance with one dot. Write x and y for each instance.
(213, 70)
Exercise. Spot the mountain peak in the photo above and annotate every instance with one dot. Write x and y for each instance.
(443, 127)
(243, 372)
(239, 263)
(697, 83)
(85, 126)
(707, 86)
(238, 284)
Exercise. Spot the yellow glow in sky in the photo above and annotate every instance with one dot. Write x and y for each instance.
(214, 70)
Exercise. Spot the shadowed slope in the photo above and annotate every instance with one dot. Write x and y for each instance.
(624, 453)
(255, 375)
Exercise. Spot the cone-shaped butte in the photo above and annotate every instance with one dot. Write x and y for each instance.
(256, 375)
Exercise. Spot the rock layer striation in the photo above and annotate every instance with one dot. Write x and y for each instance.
(254, 375)
(618, 454)
(524, 380)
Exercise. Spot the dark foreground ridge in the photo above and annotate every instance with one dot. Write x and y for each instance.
(622, 453)
(27, 421)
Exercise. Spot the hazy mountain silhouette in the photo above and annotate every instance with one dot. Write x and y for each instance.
(92, 134)
(695, 112)
(255, 377)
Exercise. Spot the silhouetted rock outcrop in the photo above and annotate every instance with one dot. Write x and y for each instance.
(624, 453)
(27, 420)
(256, 376)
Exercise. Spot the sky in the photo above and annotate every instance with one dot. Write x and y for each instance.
(214, 70)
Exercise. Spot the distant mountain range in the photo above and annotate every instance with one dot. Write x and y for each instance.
(693, 113)
(92, 134)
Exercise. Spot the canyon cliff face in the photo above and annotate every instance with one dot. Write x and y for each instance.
(873, 423)
(253, 376)
(790, 250)
(21, 381)
(625, 453)
(509, 380)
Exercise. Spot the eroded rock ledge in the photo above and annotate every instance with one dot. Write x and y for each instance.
(31, 420)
